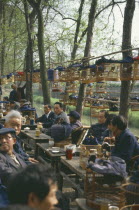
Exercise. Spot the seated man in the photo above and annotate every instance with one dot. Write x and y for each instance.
(34, 186)
(13, 120)
(96, 130)
(74, 120)
(10, 161)
(126, 145)
(48, 118)
(58, 109)
(13, 105)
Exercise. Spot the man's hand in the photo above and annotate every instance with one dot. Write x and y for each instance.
(32, 160)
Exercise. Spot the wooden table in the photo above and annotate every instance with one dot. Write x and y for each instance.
(46, 153)
(68, 167)
(32, 140)
(32, 127)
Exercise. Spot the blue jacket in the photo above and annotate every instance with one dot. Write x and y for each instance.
(97, 130)
(126, 146)
(8, 166)
(47, 122)
(18, 149)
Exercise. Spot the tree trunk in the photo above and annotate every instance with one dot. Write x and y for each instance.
(43, 73)
(126, 44)
(29, 56)
(91, 21)
(75, 46)
(3, 21)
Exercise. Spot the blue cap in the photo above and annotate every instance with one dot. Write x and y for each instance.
(6, 130)
(74, 114)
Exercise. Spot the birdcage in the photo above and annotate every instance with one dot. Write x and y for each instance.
(89, 91)
(101, 87)
(134, 106)
(94, 112)
(87, 102)
(112, 71)
(126, 71)
(11, 79)
(136, 70)
(131, 191)
(71, 87)
(64, 97)
(56, 87)
(4, 81)
(36, 77)
(85, 152)
(103, 190)
(74, 74)
(85, 76)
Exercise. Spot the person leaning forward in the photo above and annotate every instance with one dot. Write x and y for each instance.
(10, 161)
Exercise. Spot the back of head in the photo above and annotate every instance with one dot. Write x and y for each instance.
(109, 118)
(35, 178)
(120, 122)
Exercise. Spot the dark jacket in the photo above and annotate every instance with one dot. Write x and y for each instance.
(19, 150)
(97, 130)
(126, 146)
(13, 96)
(47, 122)
(8, 166)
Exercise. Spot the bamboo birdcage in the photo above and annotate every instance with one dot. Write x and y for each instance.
(85, 76)
(126, 71)
(56, 87)
(71, 87)
(134, 106)
(101, 87)
(87, 102)
(101, 191)
(112, 71)
(131, 191)
(94, 112)
(89, 91)
(36, 77)
(136, 70)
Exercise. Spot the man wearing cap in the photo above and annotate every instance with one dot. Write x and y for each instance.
(10, 161)
(74, 120)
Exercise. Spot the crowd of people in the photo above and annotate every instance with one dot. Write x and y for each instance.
(24, 180)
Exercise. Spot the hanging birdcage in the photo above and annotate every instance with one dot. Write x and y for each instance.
(36, 77)
(89, 91)
(112, 71)
(85, 76)
(74, 74)
(72, 100)
(64, 97)
(11, 79)
(102, 190)
(126, 71)
(56, 75)
(56, 87)
(94, 112)
(71, 87)
(4, 81)
(136, 70)
(134, 106)
(87, 102)
(101, 87)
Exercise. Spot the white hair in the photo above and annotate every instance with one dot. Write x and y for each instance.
(13, 114)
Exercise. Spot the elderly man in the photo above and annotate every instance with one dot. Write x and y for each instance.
(10, 161)
(74, 118)
(34, 186)
(13, 120)
(48, 118)
(126, 145)
(97, 129)
(60, 114)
